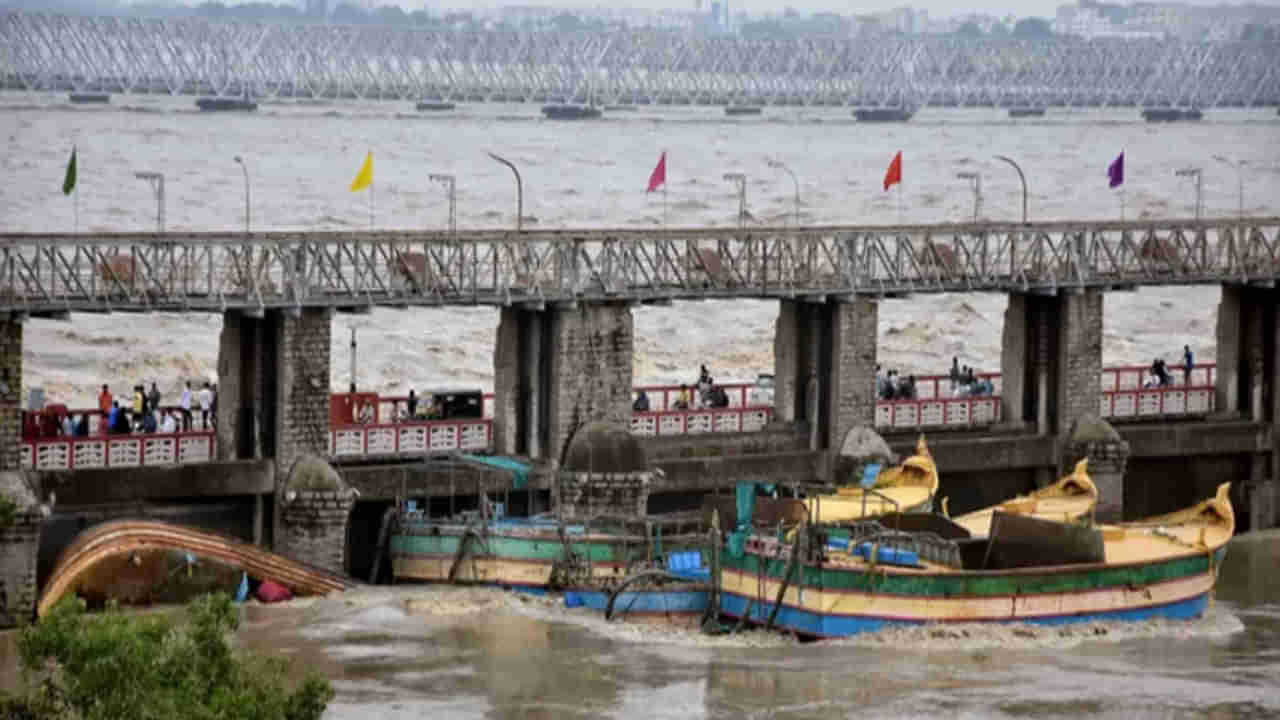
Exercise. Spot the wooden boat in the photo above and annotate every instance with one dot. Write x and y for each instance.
(660, 557)
(1023, 112)
(221, 104)
(1071, 498)
(732, 110)
(1162, 567)
(1169, 114)
(434, 106)
(909, 487)
(89, 98)
(882, 115)
(571, 112)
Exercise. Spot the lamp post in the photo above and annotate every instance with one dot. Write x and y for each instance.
(741, 181)
(519, 190)
(448, 182)
(157, 183)
(779, 165)
(1194, 173)
(245, 169)
(975, 182)
(1022, 178)
(1239, 166)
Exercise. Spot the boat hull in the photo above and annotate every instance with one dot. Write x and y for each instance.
(506, 560)
(683, 606)
(835, 602)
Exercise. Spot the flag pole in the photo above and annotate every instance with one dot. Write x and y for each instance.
(75, 204)
(899, 202)
(370, 205)
(1122, 204)
(664, 205)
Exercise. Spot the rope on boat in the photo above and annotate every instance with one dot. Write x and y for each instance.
(790, 572)
(649, 575)
(463, 544)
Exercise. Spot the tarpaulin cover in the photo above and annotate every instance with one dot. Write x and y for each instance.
(519, 471)
(746, 508)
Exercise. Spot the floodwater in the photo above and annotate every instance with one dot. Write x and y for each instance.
(301, 159)
(449, 653)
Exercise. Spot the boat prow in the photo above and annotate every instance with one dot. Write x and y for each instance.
(1070, 498)
(909, 487)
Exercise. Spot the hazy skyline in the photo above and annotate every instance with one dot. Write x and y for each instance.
(936, 8)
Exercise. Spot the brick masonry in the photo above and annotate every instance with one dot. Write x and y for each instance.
(1107, 462)
(582, 496)
(19, 546)
(1079, 357)
(302, 417)
(590, 374)
(313, 527)
(10, 394)
(854, 328)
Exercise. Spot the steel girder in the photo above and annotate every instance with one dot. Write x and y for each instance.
(44, 274)
(195, 56)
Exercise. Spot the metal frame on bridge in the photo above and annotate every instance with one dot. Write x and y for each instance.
(306, 60)
(216, 271)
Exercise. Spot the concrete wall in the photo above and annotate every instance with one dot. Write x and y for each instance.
(1227, 391)
(1079, 357)
(506, 381)
(778, 437)
(853, 380)
(583, 496)
(10, 393)
(590, 369)
(302, 409)
(1013, 362)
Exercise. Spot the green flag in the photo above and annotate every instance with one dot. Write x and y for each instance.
(69, 183)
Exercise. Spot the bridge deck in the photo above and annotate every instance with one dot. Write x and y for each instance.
(215, 271)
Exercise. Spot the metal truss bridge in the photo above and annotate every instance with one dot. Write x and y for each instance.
(194, 56)
(57, 274)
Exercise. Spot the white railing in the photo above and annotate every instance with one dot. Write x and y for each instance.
(416, 438)
(693, 422)
(118, 451)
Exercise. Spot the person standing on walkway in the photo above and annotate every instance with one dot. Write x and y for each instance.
(206, 405)
(104, 401)
(185, 404)
(153, 397)
(213, 406)
(1188, 362)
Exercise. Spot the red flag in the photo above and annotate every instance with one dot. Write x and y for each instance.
(658, 177)
(894, 175)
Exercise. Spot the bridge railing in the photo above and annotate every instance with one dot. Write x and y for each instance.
(217, 271)
(696, 422)
(1124, 396)
(118, 451)
(411, 438)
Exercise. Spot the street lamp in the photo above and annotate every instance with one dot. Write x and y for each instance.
(779, 165)
(741, 181)
(519, 189)
(1021, 177)
(448, 182)
(1239, 166)
(245, 169)
(975, 181)
(1193, 173)
(157, 183)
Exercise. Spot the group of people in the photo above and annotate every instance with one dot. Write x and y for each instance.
(416, 409)
(142, 412)
(891, 386)
(1161, 376)
(705, 394)
(967, 383)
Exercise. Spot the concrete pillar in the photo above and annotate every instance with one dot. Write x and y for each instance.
(1079, 391)
(315, 507)
(230, 388)
(1013, 362)
(20, 520)
(787, 361)
(1227, 384)
(10, 393)
(589, 369)
(506, 382)
(852, 386)
(1093, 438)
(302, 385)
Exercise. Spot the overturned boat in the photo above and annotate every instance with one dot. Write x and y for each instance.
(1026, 569)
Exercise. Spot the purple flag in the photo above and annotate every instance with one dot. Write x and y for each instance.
(1116, 171)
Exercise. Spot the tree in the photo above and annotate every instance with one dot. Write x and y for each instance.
(1033, 28)
(112, 665)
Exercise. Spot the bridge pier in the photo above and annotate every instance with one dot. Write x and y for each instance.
(273, 385)
(557, 368)
(824, 356)
(10, 392)
(20, 519)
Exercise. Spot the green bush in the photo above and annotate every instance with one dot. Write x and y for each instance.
(144, 667)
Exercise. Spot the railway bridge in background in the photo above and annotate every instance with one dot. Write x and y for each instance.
(565, 342)
(186, 56)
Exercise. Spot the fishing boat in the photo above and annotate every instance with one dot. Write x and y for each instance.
(1027, 569)
(909, 487)
(225, 104)
(883, 114)
(1068, 500)
(1170, 114)
(434, 106)
(1024, 112)
(732, 110)
(629, 565)
(89, 98)
(571, 112)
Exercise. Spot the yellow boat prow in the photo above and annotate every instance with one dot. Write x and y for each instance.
(1067, 500)
(909, 487)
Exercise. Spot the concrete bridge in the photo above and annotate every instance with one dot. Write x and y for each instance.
(195, 56)
(564, 347)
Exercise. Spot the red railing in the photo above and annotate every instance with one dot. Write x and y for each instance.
(410, 438)
(117, 451)
(1125, 398)
(662, 398)
(691, 422)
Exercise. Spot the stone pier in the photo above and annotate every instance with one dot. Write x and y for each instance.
(824, 367)
(557, 369)
(20, 518)
(315, 508)
(10, 392)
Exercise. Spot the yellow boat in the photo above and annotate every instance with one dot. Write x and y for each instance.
(907, 488)
(1067, 500)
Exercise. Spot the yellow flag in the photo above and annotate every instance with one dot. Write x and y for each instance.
(364, 178)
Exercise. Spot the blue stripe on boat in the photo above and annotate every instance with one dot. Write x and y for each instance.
(805, 622)
(683, 602)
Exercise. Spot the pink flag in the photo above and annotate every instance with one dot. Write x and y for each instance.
(658, 177)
